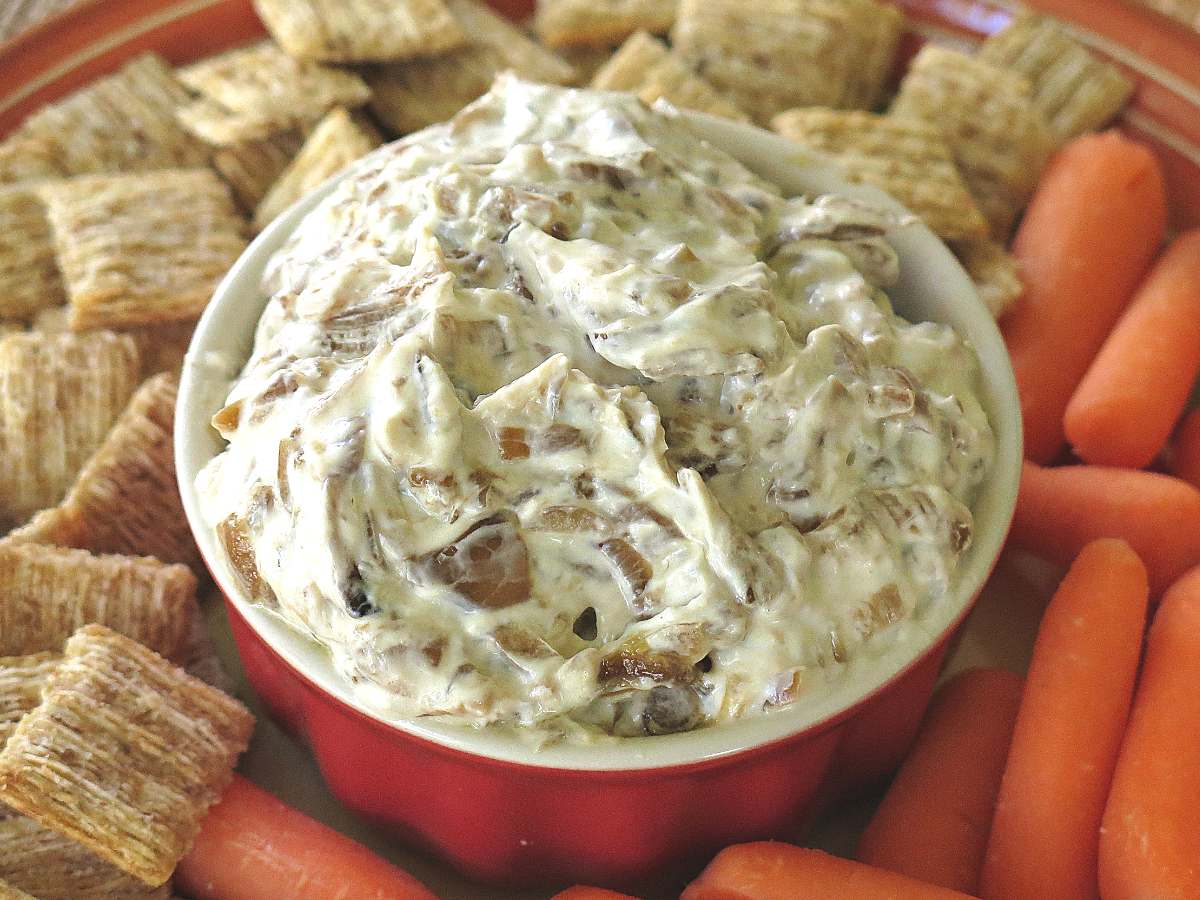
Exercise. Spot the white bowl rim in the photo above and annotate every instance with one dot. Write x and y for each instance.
(938, 283)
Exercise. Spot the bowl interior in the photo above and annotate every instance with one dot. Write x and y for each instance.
(933, 287)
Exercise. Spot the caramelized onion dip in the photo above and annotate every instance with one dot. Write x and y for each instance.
(558, 417)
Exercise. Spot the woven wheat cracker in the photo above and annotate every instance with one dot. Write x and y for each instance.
(127, 254)
(21, 681)
(252, 93)
(125, 122)
(26, 158)
(999, 138)
(1075, 91)
(774, 55)
(586, 61)
(59, 395)
(645, 67)
(251, 167)
(46, 593)
(908, 158)
(337, 141)
(8, 892)
(53, 867)
(29, 279)
(598, 23)
(350, 31)
(126, 499)
(125, 754)
(994, 270)
(410, 96)
(52, 320)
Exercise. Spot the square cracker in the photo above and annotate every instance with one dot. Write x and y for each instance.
(21, 681)
(593, 23)
(350, 31)
(410, 96)
(337, 141)
(125, 754)
(53, 867)
(29, 279)
(994, 270)
(26, 158)
(127, 253)
(161, 347)
(126, 499)
(251, 167)
(59, 395)
(645, 67)
(52, 320)
(254, 92)
(8, 892)
(46, 593)
(908, 158)
(1075, 91)
(122, 123)
(586, 61)
(773, 55)
(999, 138)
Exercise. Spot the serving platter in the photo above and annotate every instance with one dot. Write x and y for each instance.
(97, 36)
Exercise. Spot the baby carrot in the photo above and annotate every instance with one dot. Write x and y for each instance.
(1150, 843)
(1046, 832)
(1092, 227)
(1059, 510)
(585, 892)
(1184, 459)
(253, 846)
(773, 871)
(933, 823)
(1132, 395)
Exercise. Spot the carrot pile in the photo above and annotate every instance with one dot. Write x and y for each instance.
(1091, 229)
(1046, 829)
(1085, 781)
(948, 784)
(1105, 345)
(1150, 842)
(252, 846)
(1132, 395)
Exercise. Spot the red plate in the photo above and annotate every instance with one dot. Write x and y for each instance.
(96, 37)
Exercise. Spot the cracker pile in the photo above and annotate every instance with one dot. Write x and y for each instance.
(123, 204)
(124, 754)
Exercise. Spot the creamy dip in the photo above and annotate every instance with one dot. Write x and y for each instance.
(558, 417)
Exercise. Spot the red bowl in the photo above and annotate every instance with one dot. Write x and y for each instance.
(616, 812)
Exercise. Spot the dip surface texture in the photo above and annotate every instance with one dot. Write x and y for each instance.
(560, 418)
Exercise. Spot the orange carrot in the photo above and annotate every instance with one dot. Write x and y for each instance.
(1092, 227)
(772, 871)
(1150, 843)
(1124, 409)
(1046, 832)
(253, 846)
(933, 823)
(1060, 510)
(1184, 458)
(585, 892)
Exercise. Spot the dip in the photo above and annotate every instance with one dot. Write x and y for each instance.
(558, 418)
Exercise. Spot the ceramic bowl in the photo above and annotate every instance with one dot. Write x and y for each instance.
(500, 809)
